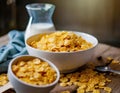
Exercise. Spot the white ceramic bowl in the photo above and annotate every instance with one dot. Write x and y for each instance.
(65, 61)
(22, 87)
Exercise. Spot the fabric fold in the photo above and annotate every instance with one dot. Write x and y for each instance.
(14, 48)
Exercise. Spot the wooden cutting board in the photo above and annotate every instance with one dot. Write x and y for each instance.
(102, 50)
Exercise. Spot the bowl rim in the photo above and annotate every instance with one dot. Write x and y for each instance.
(89, 35)
(31, 85)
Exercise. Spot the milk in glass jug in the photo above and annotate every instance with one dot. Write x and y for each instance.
(40, 18)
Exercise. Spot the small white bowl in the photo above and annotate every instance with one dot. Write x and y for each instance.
(65, 61)
(22, 87)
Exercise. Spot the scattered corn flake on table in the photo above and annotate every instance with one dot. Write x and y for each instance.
(102, 51)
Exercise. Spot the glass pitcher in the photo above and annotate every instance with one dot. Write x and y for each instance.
(40, 19)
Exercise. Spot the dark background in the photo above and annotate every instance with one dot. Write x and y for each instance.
(100, 18)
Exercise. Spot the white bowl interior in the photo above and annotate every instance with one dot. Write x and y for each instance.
(87, 37)
(28, 57)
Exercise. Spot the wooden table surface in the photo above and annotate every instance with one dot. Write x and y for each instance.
(102, 50)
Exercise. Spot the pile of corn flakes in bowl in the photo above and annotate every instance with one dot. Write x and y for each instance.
(68, 50)
(29, 74)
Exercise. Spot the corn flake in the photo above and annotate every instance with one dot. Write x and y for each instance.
(34, 72)
(3, 79)
(61, 41)
(87, 80)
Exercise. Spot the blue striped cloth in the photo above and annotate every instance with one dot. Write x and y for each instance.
(14, 48)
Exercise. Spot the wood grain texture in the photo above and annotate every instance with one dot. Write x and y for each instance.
(102, 50)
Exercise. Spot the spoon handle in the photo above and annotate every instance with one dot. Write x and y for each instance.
(115, 71)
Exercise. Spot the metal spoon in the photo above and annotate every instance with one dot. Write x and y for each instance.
(106, 69)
